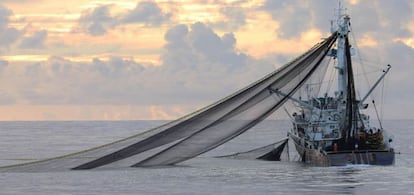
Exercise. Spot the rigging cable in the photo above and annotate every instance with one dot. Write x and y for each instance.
(382, 101)
(384, 95)
(376, 112)
(361, 61)
(379, 117)
(359, 57)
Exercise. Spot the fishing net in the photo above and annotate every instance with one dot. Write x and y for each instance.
(202, 130)
(271, 152)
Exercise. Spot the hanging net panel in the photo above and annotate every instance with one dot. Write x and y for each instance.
(202, 130)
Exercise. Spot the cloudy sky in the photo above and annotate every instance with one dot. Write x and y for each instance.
(161, 59)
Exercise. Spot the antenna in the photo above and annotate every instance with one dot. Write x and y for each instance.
(339, 14)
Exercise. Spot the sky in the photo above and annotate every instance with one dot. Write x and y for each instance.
(162, 59)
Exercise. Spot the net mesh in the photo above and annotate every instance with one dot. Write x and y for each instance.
(202, 130)
(248, 108)
(269, 152)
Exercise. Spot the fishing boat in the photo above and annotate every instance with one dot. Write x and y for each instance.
(333, 130)
(328, 130)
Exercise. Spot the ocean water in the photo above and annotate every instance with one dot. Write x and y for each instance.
(27, 141)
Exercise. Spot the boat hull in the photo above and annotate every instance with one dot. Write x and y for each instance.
(342, 158)
(377, 157)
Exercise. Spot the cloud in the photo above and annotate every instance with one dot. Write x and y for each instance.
(401, 73)
(198, 67)
(201, 62)
(8, 35)
(97, 20)
(34, 42)
(58, 81)
(148, 13)
(14, 1)
(205, 66)
(298, 16)
(235, 17)
(294, 16)
(4, 16)
(379, 17)
(396, 88)
(201, 48)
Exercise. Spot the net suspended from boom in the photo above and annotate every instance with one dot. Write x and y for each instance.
(202, 130)
(271, 152)
(226, 119)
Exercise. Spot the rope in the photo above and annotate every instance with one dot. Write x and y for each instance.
(376, 112)
(382, 101)
(359, 56)
(361, 61)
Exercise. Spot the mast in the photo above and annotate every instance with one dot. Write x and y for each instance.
(343, 30)
(346, 86)
(351, 104)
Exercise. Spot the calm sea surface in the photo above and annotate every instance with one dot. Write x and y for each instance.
(26, 141)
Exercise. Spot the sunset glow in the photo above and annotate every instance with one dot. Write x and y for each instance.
(161, 59)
